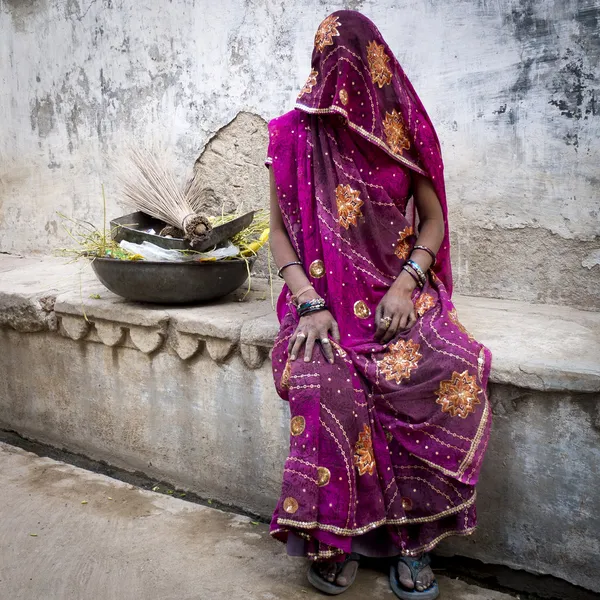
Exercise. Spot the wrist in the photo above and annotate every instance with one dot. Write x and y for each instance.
(404, 284)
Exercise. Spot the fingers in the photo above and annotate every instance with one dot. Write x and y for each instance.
(310, 344)
(392, 329)
(299, 338)
(326, 346)
(412, 319)
(380, 322)
(335, 331)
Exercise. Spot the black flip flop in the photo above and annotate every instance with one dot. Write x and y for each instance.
(314, 577)
(415, 566)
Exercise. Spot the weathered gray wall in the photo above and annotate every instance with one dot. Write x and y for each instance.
(512, 85)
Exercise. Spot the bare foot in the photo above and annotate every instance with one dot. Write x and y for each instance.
(424, 579)
(333, 572)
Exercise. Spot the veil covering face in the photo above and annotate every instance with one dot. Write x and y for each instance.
(386, 442)
(365, 84)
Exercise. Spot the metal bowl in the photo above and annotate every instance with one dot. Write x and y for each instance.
(172, 282)
(131, 228)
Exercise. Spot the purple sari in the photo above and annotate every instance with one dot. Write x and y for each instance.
(386, 444)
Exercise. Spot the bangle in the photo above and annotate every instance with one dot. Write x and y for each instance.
(418, 270)
(413, 275)
(311, 306)
(296, 296)
(294, 262)
(428, 250)
(312, 310)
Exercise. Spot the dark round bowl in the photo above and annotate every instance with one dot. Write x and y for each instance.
(172, 282)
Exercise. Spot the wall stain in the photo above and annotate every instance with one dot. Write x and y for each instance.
(42, 115)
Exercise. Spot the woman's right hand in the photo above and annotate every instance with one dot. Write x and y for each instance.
(312, 328)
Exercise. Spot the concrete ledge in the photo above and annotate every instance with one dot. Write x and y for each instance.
(186, 395)
(539, 347)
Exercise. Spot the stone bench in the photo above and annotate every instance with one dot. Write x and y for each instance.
(186, 395)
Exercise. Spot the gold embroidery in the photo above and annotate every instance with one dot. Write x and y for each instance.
(423, 303)
(403, 246)
(453, 316)
(317, 269)
(481, 363)
(388, 436)
(285, 376)
(395, 132)
(297, 425)
(323, 476)
(407, 504)
(341, 352)
(290, 505)
(344, 97)
(326, 32)
(458, 395)
(310, 83)
(348, 205)
(364, 458)
(361, 310)
(401, 359)
(378, 63)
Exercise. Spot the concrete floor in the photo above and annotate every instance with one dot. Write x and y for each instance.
(70, 534)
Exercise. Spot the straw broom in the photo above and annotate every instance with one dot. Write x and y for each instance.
(152, 189)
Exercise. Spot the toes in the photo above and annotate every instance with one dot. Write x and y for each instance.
(342, 581)
(347, 573)
(404, 576)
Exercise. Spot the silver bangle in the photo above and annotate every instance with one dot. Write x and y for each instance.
(420, 273)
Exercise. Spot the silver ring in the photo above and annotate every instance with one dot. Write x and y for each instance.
(325, 341)
(387, 321)
(301, 335)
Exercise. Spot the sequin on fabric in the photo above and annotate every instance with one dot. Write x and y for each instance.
(297, 425)
(378, 64)
(290, 505)
(323, 476)
(403, 246)
(400, 360)
(361, 310)
(344, 97)
(316, 269)
(395, 132)
(364, 459)
(458, 395)
(348, 205)
(328, 29)
(285, 376)
(310, 83)
(407, 504)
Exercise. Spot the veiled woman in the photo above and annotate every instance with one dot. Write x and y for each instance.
(387, 390)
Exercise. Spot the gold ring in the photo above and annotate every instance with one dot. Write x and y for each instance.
(386, 321)
(300, 335)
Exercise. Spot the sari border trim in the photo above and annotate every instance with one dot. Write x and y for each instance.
(433, 543)
(369, 136)
(365, 528)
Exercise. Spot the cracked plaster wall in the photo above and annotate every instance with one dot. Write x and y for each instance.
(512, 86)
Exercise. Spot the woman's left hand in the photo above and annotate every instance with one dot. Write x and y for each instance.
(397, 309)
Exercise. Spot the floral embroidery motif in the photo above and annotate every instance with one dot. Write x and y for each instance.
(340, 351)
(378, 64)
(348, 205)
(424, 303)
(310, 83)
(403, 246)
(326, 32)
(458, 395)
(401, 359)
(344, 97)
(364, 459)
(290, 505)
(453, 316)
(285, 376)
(297, 425)
(323, 476)
(395, 132)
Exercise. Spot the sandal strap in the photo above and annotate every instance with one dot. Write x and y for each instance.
(415, 565)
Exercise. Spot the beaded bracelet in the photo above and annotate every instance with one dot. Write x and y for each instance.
(294, 262)
(413, 275)
(418, 270)
(428, 250)
(311, 310)
(311, 306)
